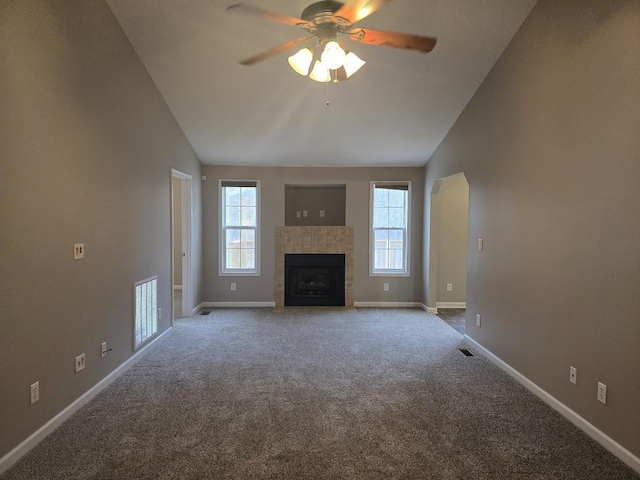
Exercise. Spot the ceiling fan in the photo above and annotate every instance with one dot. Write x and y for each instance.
(326, 21)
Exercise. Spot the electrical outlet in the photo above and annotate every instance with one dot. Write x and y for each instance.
(386, 287)
(602, 393)
(35, 392)
(449, 287)
(298, 214)
(304, 213)
(321, 213)
(478, 320)
(103, 350)
(573, 375)
(233, 287)
(480, 244)
(78, 251)
(80, 362)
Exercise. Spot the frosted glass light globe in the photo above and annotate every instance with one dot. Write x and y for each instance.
(301, 61)
(333, 56)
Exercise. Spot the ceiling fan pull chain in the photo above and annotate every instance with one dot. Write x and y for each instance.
(327, 83)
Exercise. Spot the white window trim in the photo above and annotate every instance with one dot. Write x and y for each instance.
(222, 271)
(390, 273)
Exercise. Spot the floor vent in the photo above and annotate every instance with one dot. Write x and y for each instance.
(466, 352)
(205, 312)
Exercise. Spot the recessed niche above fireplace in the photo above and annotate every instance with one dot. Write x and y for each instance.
(314, 279)
(315, 205)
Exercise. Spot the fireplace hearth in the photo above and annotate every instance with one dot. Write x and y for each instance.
(314, 280)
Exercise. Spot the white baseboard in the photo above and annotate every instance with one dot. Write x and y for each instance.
(598, 435)
(36, 437)
(234, 305)
(428, 309)
(273, 304)
(451, 304)
(177, 287)
(388, 304)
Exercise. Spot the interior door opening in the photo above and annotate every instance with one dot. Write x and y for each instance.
(181, 244)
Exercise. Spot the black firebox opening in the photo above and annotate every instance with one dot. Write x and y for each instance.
(314, 279)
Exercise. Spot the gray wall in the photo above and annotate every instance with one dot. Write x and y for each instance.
(549, 145)
(87, 144)
(273, 181)
(313, 199)
(449, 223)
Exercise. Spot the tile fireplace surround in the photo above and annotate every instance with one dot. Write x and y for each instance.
(314, 240)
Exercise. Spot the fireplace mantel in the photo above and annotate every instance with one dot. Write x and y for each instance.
(314, 240)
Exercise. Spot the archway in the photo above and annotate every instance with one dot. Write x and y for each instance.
(449, 226)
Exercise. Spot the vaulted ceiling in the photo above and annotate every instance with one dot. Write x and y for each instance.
(394, 112)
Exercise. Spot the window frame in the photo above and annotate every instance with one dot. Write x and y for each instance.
(222, 228)
(406, 271)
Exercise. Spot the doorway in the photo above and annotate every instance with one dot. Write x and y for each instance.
(448, 251)
(181, 244)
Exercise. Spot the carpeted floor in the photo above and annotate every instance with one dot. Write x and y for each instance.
(316, 394)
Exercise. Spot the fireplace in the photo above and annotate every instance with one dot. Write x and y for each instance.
(314, 279)
(315, 240)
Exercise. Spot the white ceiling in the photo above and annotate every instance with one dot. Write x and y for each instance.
(394, 112)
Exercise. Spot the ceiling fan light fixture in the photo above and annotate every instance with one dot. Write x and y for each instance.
(352, 63)
(326, 20)
(333, 55)
(301, 61)
(320, 72)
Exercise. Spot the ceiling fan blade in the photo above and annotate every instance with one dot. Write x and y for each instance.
(356, 10)
(395, 40)
(276, 17)
(273, 51)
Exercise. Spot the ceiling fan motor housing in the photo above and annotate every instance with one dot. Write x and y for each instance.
(328, 26)
(326, 8)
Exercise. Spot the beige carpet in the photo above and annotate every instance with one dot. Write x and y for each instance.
(316, 394)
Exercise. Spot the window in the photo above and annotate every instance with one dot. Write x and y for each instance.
(389, 244)
(146, 310)
(239, 227)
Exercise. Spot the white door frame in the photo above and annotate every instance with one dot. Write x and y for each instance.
(187, 245)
